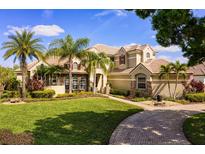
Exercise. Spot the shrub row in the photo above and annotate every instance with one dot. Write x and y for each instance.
(120, 92)
(195, 97)
(48, 93)
(7, 137)
(82, 93)
(10, 94)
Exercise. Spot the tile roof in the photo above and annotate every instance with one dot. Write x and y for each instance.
(198, 69)
(109, 50)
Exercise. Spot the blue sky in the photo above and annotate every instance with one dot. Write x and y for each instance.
(112, 27)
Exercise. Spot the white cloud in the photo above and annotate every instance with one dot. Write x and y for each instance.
(13, 29)
(115, 12)
(43, 30)
(153, 36)
(171, 59)
(173, 48)
(47, 13)
(47, 30)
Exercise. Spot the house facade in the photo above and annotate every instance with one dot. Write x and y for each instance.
(136, 69)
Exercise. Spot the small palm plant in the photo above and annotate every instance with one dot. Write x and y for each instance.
(94, 61)
(23, 46)
(165, 72)
(180, 70)
(68, 49)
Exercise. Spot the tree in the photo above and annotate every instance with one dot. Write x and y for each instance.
(94, 61)
(181, 28)
(165, 72)
(180, 71)
(23, 46)
(6, 75)
(68, 49)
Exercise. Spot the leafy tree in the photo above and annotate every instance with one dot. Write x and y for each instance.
(181, 28)
(6, 75)
(67, 48)
(23, 46)
(180, 71)
(15, 67)
(94, 61)
(165, 72)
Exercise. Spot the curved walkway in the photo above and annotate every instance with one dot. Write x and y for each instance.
(155, 125)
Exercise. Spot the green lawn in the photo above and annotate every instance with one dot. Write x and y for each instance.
(194, 129)
(76, 121)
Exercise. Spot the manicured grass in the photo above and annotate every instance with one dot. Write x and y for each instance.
(76, 121)
(194, 129)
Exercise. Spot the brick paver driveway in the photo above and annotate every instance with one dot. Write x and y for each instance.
(155, 125)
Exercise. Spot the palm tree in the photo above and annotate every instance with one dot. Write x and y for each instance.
(180, 70)
(53, 69)
(165, 71)
(94, 61)
(68, 49)
(23, 46)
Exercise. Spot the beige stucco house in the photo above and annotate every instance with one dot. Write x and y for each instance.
(136, 68)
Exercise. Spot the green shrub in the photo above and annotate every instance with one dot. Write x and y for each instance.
(120, 92)
(10, 94)
(65, 95)
(7, 137)
(85, 93)
(140, 99)
(48, 93)
(141, 93)
(195, 97)
(181, 101)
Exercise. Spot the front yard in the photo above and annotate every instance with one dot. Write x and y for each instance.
(76, 121)
(194, 129)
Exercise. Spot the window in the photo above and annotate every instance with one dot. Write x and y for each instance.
(141, 81)
(54, 80)
(75, 83)
(75, 66)
(83, 83)
(148, 55)
(122, 59)
(67, 80)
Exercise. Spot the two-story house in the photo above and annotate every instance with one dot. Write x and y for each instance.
(136, 68)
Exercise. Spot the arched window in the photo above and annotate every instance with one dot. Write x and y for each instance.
(141, 81)
(75, 66)
(148, 55)
(122, 59)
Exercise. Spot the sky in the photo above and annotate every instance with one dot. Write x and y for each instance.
(111, 27)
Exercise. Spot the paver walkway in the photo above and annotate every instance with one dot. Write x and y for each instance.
(155, 125)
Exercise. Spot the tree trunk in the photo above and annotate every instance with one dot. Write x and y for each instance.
(70, 76)
(170, 95)
(24, 74)
(94, 81)
(176, 86)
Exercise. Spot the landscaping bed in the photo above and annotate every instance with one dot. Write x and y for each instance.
(77, 121)
(194, 129)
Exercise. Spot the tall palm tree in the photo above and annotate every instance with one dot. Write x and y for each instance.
(94, 61)
(23, 45)
(68, 49)
(165, 72)
(180, 70)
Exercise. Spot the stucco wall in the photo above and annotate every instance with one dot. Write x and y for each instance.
(199, 78)
(161, 88)
(58, 89)
(120, 82)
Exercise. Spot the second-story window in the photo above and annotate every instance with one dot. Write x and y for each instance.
(122, 59)
(75, 66)
(148, 55)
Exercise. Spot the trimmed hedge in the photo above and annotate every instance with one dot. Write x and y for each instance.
(120, 92)
(82, 93)
(195, 97)
(48, 93)
(10, 94)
